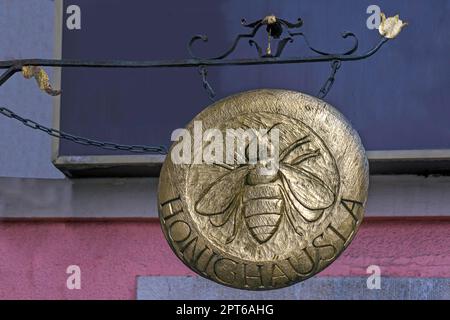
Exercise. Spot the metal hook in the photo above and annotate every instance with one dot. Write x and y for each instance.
(204, 73)
(335, 65)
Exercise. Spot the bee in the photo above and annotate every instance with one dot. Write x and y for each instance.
(292, 192)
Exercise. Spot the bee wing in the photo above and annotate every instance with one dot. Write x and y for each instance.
(297, 211)
(221, 200)
(219, 196)
(232, 232)
(220, 219)
(307, 192)
(294, 216)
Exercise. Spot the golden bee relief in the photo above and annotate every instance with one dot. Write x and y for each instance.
(247, 228)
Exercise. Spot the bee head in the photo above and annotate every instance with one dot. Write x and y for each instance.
(262, 173)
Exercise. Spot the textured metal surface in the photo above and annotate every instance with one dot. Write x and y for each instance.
(305, 215)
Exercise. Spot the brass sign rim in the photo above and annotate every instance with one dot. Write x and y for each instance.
(349, 205)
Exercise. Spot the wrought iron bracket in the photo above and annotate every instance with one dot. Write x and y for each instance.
(278, 30)
(275, 29)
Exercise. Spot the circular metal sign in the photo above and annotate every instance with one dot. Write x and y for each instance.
(235, 223)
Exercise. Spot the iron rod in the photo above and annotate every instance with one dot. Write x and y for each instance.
(17, 64)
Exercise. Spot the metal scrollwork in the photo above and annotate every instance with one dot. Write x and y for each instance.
(274, 28)
(390, 28)
(323, 53)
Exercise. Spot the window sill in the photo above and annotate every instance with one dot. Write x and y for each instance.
(417, 162)
(390, 196)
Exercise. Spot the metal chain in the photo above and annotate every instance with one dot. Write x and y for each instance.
(80, 140)
(335, 65)
(204, 73)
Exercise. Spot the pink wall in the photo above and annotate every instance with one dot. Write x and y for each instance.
(34, 255)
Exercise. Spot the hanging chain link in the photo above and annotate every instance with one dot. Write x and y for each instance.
(80, 140)
(335, 65)
(204, 73)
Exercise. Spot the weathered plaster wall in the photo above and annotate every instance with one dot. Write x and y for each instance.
(35, 255)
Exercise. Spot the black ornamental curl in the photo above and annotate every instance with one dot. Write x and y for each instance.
(275, 27)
